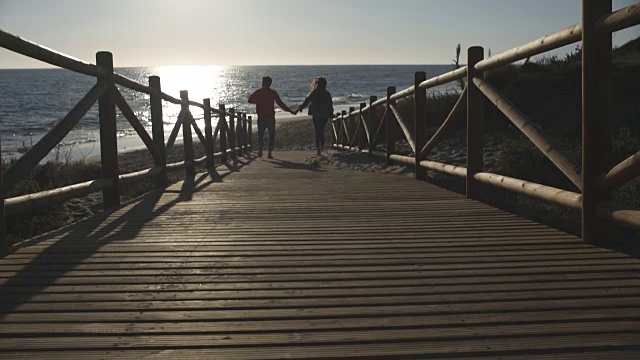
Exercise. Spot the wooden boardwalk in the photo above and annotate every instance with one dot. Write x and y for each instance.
(280, 260)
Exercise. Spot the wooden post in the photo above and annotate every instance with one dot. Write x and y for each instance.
(244, 134)
(108, 134)
(4, 242)
(390, 138)
(372, 132)
(208, 131)
(362, 133)
(223, 131)
(157, 129)
(250, 135)
(338, 130)
(240, 132)
(596, 133)
(420, 121)
(351, 126)
(187, 136)
(232, 135)
(343, 126)
(475, 109)
(239, 136)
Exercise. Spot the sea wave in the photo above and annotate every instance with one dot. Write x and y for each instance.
(349, 99)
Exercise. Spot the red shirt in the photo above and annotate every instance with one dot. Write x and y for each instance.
(264, 99)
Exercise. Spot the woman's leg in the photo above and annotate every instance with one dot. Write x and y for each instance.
(319, 124)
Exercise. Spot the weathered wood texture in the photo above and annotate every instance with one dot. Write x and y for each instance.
(108, 130)
(419, 122)
(157, 128)
(265, 263)
(475, 124)
(596, 120)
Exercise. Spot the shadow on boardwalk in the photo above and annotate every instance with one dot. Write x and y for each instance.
(46, 267)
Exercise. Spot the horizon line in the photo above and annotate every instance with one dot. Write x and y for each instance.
(238, 65)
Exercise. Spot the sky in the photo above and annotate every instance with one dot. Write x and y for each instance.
(283, 32)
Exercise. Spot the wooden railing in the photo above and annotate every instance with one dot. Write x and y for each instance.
(594, 183)
(234, 136)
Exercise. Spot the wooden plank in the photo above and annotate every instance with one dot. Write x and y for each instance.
(312, 274)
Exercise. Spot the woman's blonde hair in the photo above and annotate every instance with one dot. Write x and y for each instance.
(319, 83)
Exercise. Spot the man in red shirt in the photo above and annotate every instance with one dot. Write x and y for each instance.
(264, 99)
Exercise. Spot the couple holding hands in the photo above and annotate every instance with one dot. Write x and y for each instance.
(320, 108)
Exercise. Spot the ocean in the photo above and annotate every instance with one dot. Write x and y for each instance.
(34, 100)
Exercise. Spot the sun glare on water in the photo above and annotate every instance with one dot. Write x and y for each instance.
(200, 81)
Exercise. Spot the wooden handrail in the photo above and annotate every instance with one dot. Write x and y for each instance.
(524, 124)
(366, 128)
(109, 97)
(600, 22)
(626, 216)
(35, 51)
(544, 192)
(404, 127)
(139, 175)
(558, 39)
(174, 133)
(621, 19)
(133, 120)
(199, 133)
(621, 174)
(39, 151)
(454, 170)
(382, 122)
(47, 198)
(461, 105)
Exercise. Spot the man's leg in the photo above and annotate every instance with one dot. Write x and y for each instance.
(271, 125)
(261, 128)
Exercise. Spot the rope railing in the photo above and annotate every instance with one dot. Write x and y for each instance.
(108, 97)
(594, 182)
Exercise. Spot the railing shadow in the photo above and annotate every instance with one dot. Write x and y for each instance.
(74, 247)
(283, 164)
